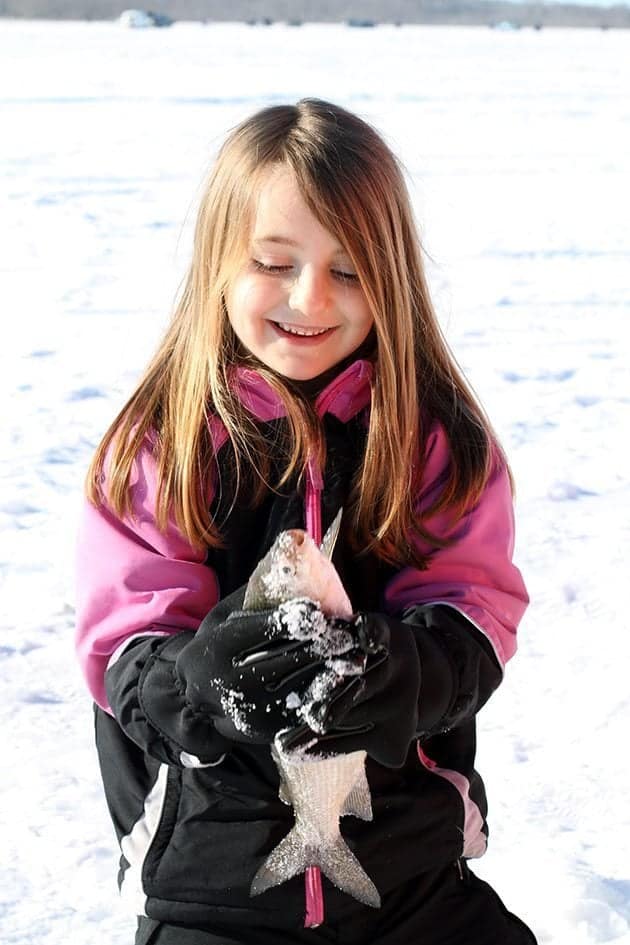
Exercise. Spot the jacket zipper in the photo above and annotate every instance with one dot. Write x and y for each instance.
(314, 895)
(314, 486)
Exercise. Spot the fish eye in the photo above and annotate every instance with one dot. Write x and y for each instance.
(286, 569)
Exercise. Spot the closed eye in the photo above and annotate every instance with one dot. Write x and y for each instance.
(273, 270)
(339, 274)
(345, 276)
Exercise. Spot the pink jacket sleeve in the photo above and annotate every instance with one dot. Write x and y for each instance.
(475, 574)
(133, 579)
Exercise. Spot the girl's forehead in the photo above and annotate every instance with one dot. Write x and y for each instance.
(277, 195)
(281, 217)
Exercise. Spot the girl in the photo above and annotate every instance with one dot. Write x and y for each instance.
(303, 372)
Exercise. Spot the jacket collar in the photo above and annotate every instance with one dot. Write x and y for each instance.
(344, 397)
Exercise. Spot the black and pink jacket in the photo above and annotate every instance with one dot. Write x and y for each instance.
(195, 821)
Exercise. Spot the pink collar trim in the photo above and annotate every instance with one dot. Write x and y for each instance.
(344, 397)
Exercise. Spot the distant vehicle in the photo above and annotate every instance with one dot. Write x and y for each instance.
(160, 19)
(360, 23)
(142, 19)
(505, 26)
(135, 19)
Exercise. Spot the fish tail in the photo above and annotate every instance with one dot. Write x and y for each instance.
(288, 859)
(342, 868)
(335, 859)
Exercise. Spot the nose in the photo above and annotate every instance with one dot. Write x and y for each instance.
(310, 292)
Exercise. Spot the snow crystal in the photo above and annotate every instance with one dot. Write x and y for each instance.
(301, 621)
(318, 693)
(235, 707)
(348, 667)
(293, 701)
(333, 641)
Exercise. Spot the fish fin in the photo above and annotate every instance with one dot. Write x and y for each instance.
(284, 793)
(342, 868)
(335, 859)
(358, 803)
(330, 538)
(255, 591)
(288, 859)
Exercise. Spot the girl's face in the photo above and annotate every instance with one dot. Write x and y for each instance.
(296, 303)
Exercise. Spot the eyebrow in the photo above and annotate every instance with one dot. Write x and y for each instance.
(287, 241)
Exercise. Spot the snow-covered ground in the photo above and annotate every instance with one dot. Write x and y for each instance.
(518, 150)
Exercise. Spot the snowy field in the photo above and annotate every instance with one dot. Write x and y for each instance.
(518, 150)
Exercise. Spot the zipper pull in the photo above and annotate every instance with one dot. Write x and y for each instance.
(314, 486)
(314, 474)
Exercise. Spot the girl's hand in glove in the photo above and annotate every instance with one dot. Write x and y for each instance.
(376, 711)
(243, 669)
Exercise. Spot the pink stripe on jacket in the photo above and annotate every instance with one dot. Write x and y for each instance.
(475, 574)
(132, 578)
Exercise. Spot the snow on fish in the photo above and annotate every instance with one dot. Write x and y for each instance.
(321, 790)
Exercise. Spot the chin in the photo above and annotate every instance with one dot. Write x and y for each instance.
(297, 374)
(298, 369)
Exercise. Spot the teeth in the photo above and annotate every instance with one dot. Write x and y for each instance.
(292, 330)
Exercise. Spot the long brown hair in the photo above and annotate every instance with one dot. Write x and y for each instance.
(355, 187)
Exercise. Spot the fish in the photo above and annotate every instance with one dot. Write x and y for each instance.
(320, 789)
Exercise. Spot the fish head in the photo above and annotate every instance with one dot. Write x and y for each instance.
(279, 572)
(295, 567)
(287, 564)
(291, 568)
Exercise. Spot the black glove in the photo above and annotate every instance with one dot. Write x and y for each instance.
(246, 671)
(376, 711)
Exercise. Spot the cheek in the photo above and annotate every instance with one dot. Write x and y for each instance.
(247, 299)
(363, 317)
(238, 304)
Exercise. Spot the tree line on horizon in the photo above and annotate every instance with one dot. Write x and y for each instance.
(360, 12)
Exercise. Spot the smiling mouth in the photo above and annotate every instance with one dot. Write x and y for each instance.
(302, 332)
